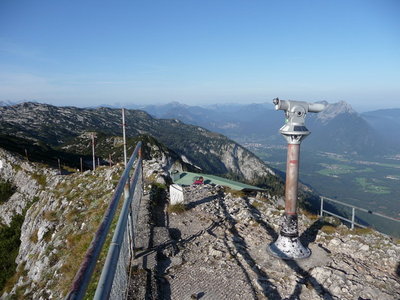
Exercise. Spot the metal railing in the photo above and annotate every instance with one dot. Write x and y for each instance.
(353, 212)
(113, 281)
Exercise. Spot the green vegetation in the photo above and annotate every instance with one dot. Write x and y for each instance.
(177, 208)
(340, 169)
(40, 178)
(371, 188)
(6, 190)
(235, 193)
(362, 231)
(78, 241)
(328, 229)
(9, 246)
(50, 215)
(334, 170)
(310, 215)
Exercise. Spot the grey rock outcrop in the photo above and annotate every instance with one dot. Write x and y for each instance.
(27, 178)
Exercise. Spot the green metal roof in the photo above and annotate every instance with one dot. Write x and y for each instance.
(187, 178)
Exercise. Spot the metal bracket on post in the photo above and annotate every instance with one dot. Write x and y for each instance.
(288, 245)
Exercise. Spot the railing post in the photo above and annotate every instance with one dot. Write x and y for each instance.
(353, 213)
(321, 213)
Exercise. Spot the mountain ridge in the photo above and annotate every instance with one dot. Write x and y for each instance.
(55, 126)
(339, 126)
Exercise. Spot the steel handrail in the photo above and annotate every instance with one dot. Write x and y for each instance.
(353, 212)
(85, 272)
(107, 275)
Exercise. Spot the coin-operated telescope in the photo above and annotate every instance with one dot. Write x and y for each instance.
(294, 131)
(288, 245)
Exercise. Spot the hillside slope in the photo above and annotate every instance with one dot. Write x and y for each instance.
(56, 126)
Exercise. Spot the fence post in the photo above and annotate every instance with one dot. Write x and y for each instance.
(322, 206)
(353, 213)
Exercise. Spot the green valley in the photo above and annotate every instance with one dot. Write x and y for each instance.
(372, 184)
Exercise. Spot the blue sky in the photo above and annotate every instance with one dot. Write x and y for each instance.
(87, 53)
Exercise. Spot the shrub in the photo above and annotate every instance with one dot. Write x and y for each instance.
(6, 190)
(9, 246)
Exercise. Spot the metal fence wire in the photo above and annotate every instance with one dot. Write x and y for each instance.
(120, 283)
(113, 281)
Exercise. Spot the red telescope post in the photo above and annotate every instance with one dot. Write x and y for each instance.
(288, 245)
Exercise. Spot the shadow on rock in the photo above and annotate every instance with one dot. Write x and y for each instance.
(308, 236)
(269, 289)
(202, 201)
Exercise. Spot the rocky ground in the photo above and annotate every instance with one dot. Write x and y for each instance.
(213, 247)
(216, 248)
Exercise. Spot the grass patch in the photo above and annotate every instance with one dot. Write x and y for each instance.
(257, 204)
(329, 229)
(310, 215)
(362, 231)
(235, 193)
(40, 178)
(335, 169)
(177, 208)
(371, 188)
(34, 236)
(50, 215)
(16, 167)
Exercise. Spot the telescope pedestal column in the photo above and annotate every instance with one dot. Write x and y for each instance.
(288, 245)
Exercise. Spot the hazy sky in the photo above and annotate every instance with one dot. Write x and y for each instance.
(85, 53)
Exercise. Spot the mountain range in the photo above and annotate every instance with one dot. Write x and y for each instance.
(339, 128)
(59, 130)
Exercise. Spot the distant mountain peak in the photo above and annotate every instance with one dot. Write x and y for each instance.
(174, 104)
(333, 110)
(8, 102)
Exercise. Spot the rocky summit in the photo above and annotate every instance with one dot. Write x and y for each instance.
(215, 247)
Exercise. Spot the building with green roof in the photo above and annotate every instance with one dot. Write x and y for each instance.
(188, 178)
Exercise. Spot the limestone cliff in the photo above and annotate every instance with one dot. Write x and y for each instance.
(59, 225)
